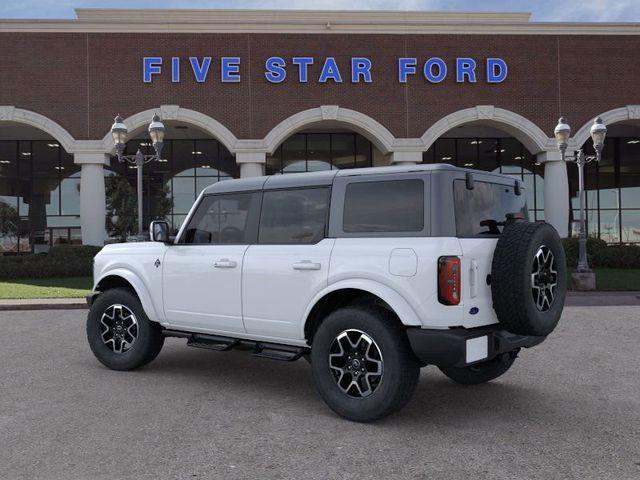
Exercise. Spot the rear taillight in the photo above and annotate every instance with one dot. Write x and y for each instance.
(449, 280)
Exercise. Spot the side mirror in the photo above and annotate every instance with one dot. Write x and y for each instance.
(159, 231)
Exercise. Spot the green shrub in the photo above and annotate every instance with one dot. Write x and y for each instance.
(61, 261)
(601, 255)
(571, 249)
(618, 256)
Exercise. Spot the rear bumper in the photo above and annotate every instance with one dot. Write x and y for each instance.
(459, 347)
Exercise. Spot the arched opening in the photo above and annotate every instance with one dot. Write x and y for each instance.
(327, 137)
(324, 146)
(489, 147)
(192, 159)
(612, 186)
(39, 190)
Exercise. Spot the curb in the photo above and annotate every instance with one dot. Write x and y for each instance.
(43, 304)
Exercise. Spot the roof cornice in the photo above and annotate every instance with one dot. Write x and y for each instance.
(312, 21)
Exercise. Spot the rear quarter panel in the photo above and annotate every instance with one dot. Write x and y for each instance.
(369, 260)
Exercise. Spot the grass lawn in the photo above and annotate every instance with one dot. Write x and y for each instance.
(72, 287)
(612, 279)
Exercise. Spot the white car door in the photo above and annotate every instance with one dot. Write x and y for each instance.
(290, 263)
(202, 272)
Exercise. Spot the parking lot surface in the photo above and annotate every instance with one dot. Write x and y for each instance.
(569, 408)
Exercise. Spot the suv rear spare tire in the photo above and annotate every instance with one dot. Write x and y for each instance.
(528, 278)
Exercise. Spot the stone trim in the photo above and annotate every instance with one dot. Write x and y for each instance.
(309, 21)
(532, 136)
(177, 113)
(629, 112)
(382, 138)
(10, 113)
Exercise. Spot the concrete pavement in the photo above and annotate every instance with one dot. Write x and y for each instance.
(568, 409)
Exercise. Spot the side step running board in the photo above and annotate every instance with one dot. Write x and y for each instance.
(273, 351)
(212, 342)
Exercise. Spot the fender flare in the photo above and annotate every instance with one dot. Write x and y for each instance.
(138, 285)
(397, 302)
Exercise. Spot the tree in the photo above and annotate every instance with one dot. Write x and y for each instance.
(162, 202)
(122, 213)
(122, 206)
(9, 221)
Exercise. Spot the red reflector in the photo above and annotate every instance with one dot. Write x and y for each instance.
(449, 280)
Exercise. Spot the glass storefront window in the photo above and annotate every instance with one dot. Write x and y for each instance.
(293, 154)
(186, 168)
(630, 224)
(612, 186)
(307, 152)
(467, 152)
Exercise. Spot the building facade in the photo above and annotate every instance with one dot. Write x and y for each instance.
(246, 93)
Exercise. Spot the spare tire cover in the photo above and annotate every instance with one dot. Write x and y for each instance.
(529, 278)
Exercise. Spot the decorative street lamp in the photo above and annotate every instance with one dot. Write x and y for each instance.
(562, 133)
(156, 132)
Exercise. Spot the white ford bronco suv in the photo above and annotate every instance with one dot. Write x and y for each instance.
(370, 274)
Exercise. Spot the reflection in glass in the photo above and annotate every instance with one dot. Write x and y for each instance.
(308, 152)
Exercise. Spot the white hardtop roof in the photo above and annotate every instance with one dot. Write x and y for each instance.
(326, 177)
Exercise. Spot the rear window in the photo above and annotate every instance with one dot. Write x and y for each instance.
(483, 210)
(384, 206)
(294, 216)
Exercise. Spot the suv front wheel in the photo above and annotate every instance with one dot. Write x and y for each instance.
(119, 333)
(363, 366)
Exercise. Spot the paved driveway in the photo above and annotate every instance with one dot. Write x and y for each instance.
(568, 409)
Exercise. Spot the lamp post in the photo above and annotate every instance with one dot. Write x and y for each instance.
(562, 133)
(119, 133)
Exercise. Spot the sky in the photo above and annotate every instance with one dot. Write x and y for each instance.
(542, 10)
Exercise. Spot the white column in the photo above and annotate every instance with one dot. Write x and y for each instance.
(251, 163)
(556, 191)
(92, 197)
(405, 158)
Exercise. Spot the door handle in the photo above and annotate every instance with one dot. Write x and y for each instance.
(225, 263)
(307, 265)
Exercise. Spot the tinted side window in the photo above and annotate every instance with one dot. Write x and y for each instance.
(481, 210)
(294, 216)
(224, 219)
(385, 206)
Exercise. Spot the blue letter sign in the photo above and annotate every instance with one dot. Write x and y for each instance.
(434, 69)
(428, 70)
(275, 69)
(303, 66)
(360, 67)
(496, 70)
(151, 66)
(406, 66)
(230, 69)
(330, 71)
(200, 71)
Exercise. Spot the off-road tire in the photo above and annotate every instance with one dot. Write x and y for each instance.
(480, 372)
(149, 340)
(511, 278)
(401, 369)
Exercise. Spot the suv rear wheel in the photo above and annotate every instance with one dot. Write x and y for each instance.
(362, 364)
(119, 333)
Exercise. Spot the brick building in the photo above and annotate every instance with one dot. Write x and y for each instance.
(252, 92)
